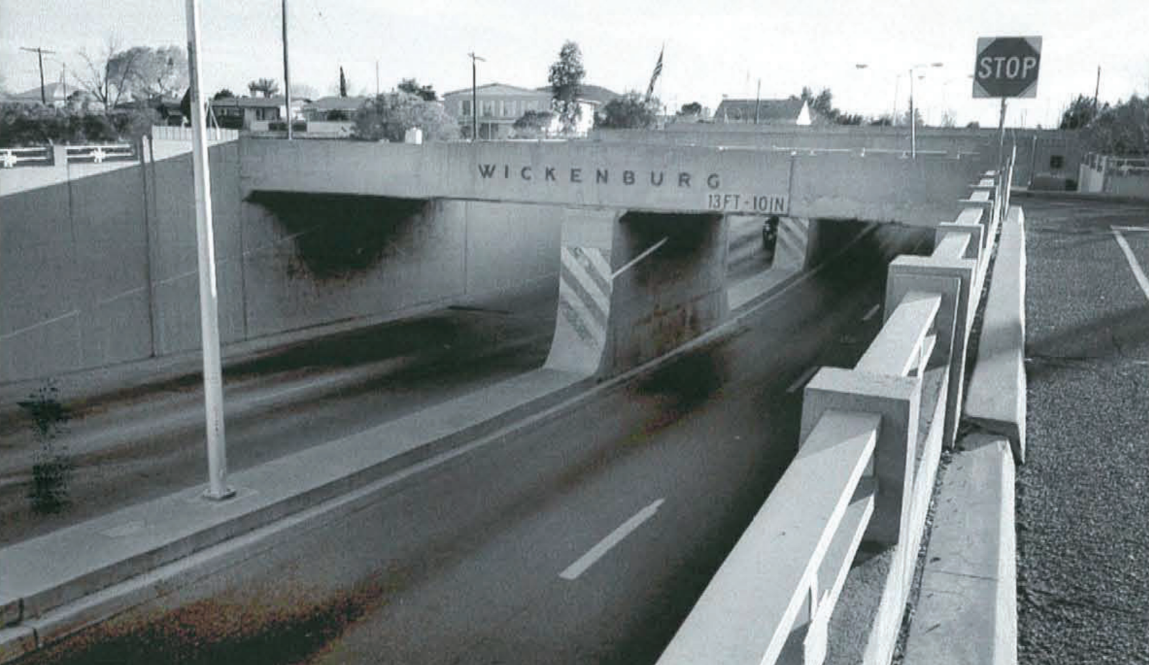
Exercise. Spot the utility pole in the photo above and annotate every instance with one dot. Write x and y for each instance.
(376, 78)
(39, 52)
(205, 245)
(474, 97)
(913, 120)
(286, 74)
(757, 101)
(1096, 89)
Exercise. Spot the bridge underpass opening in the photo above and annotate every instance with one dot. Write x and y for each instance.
(337, 236)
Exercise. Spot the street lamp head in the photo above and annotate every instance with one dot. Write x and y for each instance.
(861, 65)
(937, 64)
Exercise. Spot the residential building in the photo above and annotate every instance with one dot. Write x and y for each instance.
(333, 108)
(500, 105)
(252, 112)
(56, 94)
(792, 111)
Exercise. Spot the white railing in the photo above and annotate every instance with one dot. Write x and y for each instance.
(865, 468)
(98, 154)
(35, 156)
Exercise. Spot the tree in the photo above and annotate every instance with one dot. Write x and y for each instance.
(534, 124)
(882, 121)
(566, 77)
(630, 111)
(223, 93)
(1079, 114)
(973, 124)
(388, 116)
(693, 108)
(948, 118)
(1121, 129)
(424, 92)
(342, 83)
(109, 74)
(918, 119)
(263, 86)
(158, 72)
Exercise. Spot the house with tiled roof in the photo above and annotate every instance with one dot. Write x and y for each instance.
(792, 111)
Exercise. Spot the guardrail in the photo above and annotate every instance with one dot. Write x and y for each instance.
(98, 154)
(35, 156)
(871, 439)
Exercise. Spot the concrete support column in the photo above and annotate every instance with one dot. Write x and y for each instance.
(635, 286)
(897, 400)
(953, 279)
(669, 284)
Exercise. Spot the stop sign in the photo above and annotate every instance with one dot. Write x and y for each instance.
(1006, 66)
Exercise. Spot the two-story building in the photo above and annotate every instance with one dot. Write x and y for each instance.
(499, 105)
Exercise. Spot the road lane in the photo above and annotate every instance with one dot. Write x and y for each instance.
(474, 552)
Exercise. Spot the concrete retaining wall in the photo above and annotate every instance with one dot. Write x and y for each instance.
(101, 267)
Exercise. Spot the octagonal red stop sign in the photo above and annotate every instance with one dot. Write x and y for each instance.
(1006, 67)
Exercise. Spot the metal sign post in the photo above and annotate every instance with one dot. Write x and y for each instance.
(205, 245)
(1006, 67)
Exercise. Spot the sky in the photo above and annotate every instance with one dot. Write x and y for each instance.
(723, 47)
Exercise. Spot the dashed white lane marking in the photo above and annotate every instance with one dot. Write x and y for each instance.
(598, 551)
(1138, 273)
(801, 380)
(873, 310)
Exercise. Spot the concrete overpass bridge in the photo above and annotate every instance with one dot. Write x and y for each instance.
(642, 258)
(644, 227)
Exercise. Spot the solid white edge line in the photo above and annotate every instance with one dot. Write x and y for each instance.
(603, 546)
(873, 310)
(803, 379)
(1138, 274)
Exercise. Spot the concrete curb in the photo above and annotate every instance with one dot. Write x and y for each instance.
(1076, 196)
(102, 594)
(967, 610)
(996, 393)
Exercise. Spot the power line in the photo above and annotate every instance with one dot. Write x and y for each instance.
(40, 53)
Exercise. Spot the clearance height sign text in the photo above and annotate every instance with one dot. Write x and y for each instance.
(709, 185)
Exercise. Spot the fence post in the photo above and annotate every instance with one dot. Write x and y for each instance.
(952, 278)
(896, 399)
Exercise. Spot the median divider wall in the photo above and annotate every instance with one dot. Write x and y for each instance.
(792, 589)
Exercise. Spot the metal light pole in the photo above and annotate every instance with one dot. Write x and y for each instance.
(205, 245)
(286, 74)
(913, 118)
(474, 97)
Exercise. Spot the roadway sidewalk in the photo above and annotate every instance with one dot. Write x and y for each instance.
(136, 431)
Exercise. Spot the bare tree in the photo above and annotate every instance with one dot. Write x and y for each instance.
(266, 87)
(109, 74)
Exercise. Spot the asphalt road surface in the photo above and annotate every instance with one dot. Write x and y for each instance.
(586, 538)
(127, 448)
(1083, 493)
(590, 539)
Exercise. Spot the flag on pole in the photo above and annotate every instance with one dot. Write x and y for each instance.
(654, 76)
